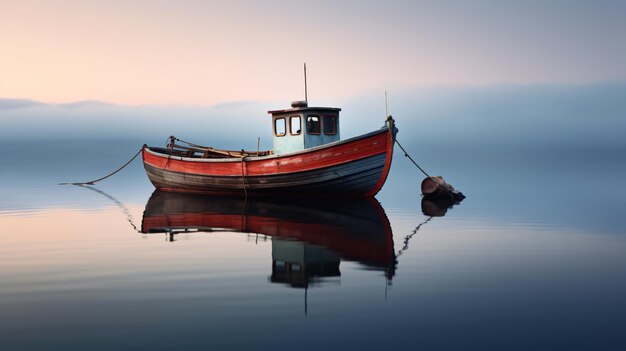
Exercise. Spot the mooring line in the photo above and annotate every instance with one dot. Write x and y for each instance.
(106, 176)
(125, 210)
(243, 181)
(406, 154)
(408, 237)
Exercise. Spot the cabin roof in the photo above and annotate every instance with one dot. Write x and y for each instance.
(303, 109)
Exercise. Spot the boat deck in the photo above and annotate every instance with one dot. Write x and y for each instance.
(207, 152)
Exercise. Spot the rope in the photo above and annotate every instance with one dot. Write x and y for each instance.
(106, 176)
(129, 216)
(408, 237)
(173, 138)
(243, 182)
(406, 154)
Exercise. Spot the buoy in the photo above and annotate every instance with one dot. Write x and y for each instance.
(436, 187)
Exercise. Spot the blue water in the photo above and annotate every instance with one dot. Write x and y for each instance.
(534, 258)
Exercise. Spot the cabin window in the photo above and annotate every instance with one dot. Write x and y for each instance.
(330, 125)
(280, 127)
(295, 267)
(313, 125)
(295, 125)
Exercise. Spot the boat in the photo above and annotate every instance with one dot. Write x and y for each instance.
(309, 236)
(307, 158)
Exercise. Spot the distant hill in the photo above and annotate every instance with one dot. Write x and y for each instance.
(86, 103)
(8, 104)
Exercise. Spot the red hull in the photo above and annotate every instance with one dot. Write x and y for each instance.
(358, 166)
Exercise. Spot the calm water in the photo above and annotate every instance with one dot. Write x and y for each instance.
(534, 258)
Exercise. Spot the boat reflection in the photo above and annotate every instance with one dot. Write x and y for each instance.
(309, 237)
(437, 207)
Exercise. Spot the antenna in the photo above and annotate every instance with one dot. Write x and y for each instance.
(305, 92)
(386, 113)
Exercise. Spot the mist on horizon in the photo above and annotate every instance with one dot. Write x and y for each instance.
(521, 116)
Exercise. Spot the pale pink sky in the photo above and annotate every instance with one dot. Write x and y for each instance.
(206, 52)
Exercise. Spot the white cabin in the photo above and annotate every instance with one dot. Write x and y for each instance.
(302, 127)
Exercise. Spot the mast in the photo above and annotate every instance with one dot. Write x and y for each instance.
(305, 89)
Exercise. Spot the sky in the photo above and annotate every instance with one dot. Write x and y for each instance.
(140, 52)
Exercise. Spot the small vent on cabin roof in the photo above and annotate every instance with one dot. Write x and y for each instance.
(296, 104)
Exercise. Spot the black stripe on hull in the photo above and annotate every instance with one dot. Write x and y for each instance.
(352, 178)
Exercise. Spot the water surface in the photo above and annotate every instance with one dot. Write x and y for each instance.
(533, 258)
